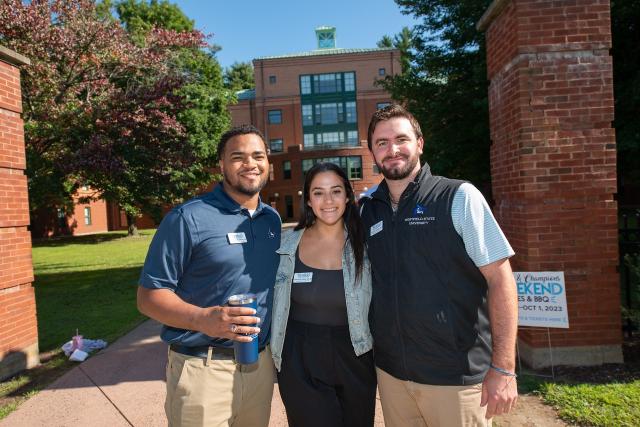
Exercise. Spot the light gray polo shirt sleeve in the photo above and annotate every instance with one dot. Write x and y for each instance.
(472, 218)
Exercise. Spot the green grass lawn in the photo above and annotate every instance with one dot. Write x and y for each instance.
(614, 404)
(87, 283)
(589, 404)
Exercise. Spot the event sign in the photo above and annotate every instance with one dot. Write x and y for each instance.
(542, 299)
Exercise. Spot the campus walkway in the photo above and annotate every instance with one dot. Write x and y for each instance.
(123, 385)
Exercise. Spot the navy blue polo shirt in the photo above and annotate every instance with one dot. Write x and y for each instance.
(192, 255)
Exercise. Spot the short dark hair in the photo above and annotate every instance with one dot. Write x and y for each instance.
(351, 215)
(239, 130)
(389, 112)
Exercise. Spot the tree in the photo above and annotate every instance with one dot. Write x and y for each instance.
(625, 19)
(205, 117)
(445, 86)
(239, 76)
(103, 111)
(140, 17)
(402, 42)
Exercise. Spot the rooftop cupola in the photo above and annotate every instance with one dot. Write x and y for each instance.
(326, 37)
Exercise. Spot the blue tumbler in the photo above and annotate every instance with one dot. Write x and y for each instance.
(246, 353)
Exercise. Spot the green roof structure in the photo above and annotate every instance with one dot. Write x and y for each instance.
(321, 52)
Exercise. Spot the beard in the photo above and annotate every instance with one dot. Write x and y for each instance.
(398, 172)
(246, 189)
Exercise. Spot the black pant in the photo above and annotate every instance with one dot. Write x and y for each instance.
(322, 381)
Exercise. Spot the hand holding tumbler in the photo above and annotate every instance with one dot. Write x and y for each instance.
(246, 353)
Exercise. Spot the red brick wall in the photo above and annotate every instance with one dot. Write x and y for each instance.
(18, 326)
(553, 156)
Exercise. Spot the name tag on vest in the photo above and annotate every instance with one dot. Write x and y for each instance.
(375, 229)
(235, 238)
(303, 277)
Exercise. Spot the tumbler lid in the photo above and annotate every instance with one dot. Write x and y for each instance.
(241, 299)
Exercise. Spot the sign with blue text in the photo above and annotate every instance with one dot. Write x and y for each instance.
(541, 299)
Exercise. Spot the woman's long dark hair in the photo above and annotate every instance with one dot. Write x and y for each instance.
(351, 215)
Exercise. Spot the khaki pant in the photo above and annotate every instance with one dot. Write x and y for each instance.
(220, 394)
(409, 404)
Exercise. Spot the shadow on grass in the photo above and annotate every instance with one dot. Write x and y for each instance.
(100, 304)
(90, 239)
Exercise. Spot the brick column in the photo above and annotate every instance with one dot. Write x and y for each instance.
(553, 164)
(18, 326)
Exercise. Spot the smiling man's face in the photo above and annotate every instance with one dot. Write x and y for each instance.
(245, 166)
(396, 148)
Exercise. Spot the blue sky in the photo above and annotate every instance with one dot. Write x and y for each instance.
(254, 28)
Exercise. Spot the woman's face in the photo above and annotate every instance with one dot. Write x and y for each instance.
(327, 197)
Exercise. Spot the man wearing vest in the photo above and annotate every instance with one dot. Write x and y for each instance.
(444, 308)
(220, 244)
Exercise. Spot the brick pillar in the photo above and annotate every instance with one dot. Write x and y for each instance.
(553, 164)
(18, 326)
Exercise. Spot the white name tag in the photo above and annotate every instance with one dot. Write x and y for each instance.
(375, 229)
(303, 277)
(235, 238)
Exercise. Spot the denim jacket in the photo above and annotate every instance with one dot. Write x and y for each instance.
(358, 297)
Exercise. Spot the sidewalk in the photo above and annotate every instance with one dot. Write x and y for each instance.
(123, 385)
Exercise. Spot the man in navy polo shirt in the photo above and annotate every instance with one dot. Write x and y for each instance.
(205, 250)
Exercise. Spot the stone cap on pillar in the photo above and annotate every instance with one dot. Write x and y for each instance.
(493, 11)
(14, 58)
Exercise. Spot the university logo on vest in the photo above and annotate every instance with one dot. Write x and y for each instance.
(419, 217)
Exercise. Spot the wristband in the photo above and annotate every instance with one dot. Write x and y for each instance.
(502, 371)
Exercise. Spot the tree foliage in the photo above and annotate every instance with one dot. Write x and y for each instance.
(107, 110)
(445, 86)
(239, 76)
(625, 26)
(402, 42)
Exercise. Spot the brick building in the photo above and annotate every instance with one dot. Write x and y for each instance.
(18, 324)
(315, 106)
(87, 217)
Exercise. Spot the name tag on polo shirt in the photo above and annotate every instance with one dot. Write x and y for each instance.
(375, 228)
(235, 238)
(303, 277)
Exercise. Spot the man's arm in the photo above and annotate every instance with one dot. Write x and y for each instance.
(500, 391)
(168, 308)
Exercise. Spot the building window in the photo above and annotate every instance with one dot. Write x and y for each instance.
(308, 140)
(381, 105)
(275, 145)
(352, 165)
(275, 117)
(272, 80)
(307, 115)
(349, 82)
(382, 71)
(327, 83)
(328, 113)
(305, 85)
(328, 140)
(286, 169)
(87, 216)
(352, 137)
(352, 116)
(288, 203)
